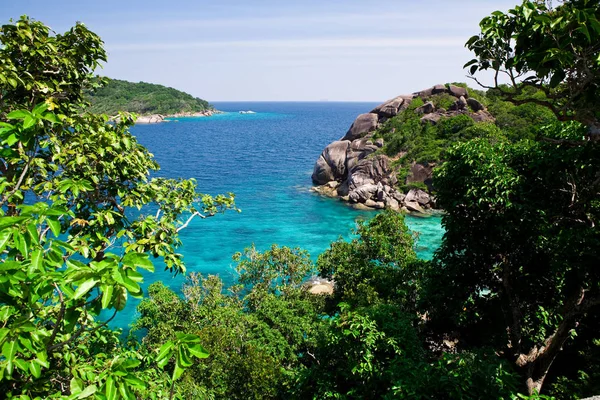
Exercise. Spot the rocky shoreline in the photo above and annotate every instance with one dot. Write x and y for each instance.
(158, 118)
(349, 170)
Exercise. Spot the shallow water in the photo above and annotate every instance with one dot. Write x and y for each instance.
(266, 159)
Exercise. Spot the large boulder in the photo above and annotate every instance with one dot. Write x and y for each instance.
(331, 165)
(426, 108)
(389, 108)
(363, 124)
(418, 196)
(439, 89)
(414, 206)
(475, 105)
(424, 93)
(458, 91)
(369, 170)
(420, 172)
(363, 193)
(432, 118)
(483, 116)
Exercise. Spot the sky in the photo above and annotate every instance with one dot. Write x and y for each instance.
(267, 50)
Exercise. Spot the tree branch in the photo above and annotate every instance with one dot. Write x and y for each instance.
(196, 214)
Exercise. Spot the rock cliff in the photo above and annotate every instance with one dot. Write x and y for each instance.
(355, 170)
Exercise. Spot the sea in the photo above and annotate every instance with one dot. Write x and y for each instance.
(266, 159)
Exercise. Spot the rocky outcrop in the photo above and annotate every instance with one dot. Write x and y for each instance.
(150, 119)
(348, 169)
(363, 124)
(157, 118)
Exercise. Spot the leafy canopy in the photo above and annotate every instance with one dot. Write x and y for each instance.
(79, 217)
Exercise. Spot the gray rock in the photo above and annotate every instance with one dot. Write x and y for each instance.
(379, 142)
(392, 203)
(432, 118)
(375, 204)
(475, 105)
(381, 195)
(389, 108)
(424, 93)
(483, 116)
(418, 196)
(331, 165)
(363, 193)
(458, 91)
(461, 103)
(369, 170)
(426, 108)
(421, 172)
(439, 89)
(343, 190)
(399, 196)
(413, 206)
(363, 124)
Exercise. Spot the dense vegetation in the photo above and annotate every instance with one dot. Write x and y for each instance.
(142, 98)
(408, 140)
(508, 308)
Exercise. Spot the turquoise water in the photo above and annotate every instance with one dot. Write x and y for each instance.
(266, 159)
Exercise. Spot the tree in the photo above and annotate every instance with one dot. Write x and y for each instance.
(260, 334)
(380, 265)
(79, 215)
(518, 267)
(555, 50)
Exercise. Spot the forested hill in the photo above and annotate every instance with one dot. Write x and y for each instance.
(143, 98)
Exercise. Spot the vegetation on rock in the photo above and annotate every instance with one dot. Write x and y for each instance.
(143, 98)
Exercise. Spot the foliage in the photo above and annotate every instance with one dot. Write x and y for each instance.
(520, 243)
(142, 98)
(75, 227)
(380, 265)
(554, 50)
(258, 337)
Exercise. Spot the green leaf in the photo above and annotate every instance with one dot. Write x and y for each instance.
(111, 389)
(21, 244)
(198, 351)
(138, 260)
(40, 108)
(84, 288)
(28, 122)
(37, 257)
(130, 285)
(4, 237)
(87, 392)
(136, 382)
(35, 369)
(184, 356)
(107, 292)
(76, 385)
(177, 371)
(18, 114)
(165, 351)
(54, 226)
(9, 350)
(124, 390)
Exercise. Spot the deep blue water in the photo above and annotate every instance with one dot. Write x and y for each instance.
(266, 159)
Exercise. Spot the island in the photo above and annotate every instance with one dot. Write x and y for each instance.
(388, 156)
(152, 102)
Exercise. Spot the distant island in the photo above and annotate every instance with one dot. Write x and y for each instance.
(151, 101)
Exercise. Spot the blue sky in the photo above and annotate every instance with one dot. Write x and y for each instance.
(276, 50)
